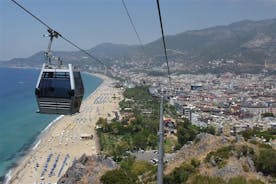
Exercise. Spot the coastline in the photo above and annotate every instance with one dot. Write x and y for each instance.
(29, 145)
(54, 133)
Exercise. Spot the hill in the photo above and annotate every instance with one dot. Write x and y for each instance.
(251, 45)
(248, 44)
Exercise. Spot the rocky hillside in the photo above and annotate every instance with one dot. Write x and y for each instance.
(199, 150)
(221, 159)
(209, 159)
(88, 169)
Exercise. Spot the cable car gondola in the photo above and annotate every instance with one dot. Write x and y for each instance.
(59, 89)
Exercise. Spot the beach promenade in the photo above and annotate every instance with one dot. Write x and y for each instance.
(61, 144)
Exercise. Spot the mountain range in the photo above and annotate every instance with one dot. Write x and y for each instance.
(250, 45)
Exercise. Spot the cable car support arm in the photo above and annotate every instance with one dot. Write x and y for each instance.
(52, 34)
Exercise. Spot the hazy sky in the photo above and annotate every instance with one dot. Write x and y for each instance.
(91, 22)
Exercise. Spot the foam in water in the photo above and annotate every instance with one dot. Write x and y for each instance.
(36, 145)
(8, 177)
(55, 120)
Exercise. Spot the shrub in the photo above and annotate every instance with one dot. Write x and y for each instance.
(237, 180)
(186, 132)
(199, 179)
(116, 176)
(195, 162)
(220, 156)
(266, 162)
(129, 171)
(245, 167)
(180, 174)
(256, 182)
(244, 150)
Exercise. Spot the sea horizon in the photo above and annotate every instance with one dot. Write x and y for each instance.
(18, 117)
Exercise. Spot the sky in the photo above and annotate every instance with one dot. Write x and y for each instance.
(91, 22)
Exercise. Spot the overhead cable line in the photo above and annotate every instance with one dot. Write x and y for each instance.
(64, 38)
(39, 20)
(133, 26)
(84, 51)
(163, 39)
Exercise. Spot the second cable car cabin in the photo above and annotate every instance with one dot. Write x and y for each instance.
(59, 90)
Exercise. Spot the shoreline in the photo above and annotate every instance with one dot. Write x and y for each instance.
(24, 152)
(39, 144)
(37, 139)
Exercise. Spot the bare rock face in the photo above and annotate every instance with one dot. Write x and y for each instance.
(251, 164)
(259, 40)
(88, 169)
(206, 144)
(229, 171)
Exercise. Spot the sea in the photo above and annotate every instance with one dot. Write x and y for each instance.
(20, 125)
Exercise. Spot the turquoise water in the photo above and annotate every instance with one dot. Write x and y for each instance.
(19, 123)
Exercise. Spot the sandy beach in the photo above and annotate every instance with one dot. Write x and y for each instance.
(60, 144)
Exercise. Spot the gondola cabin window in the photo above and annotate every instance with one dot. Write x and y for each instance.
(55, 85)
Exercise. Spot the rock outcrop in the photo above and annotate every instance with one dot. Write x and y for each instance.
(86, 170)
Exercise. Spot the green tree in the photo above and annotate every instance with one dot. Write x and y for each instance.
(152, 140)
(186, 134)
(140, 140)
(122, 147)
(103, 124)
(267, 114)
(117, 128)
(127, 163)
